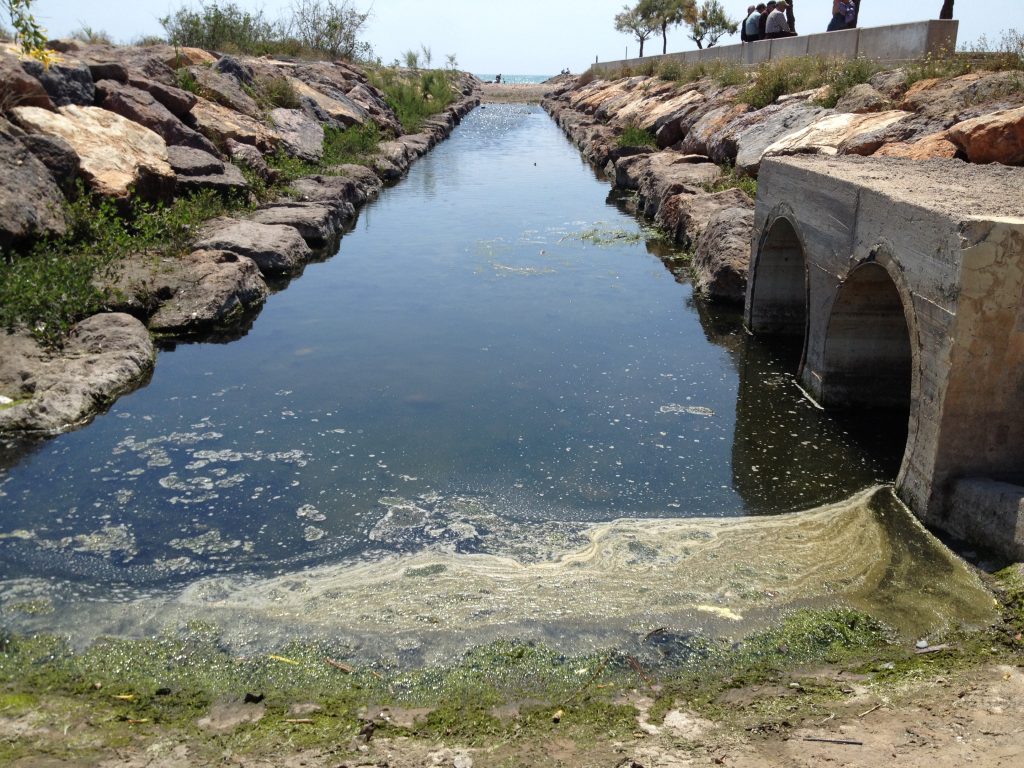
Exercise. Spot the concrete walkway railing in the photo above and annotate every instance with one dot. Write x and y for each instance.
(896, 43)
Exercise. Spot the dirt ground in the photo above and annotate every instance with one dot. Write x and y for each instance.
(973, 718)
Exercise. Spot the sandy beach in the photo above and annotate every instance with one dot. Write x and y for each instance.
(501, 93)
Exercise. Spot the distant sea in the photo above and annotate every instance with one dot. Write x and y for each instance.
(521, 79)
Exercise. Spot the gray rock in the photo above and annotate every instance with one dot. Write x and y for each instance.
(193, 162)
(668, 173)
(20, 89)
(862, 99)
(65, 83)
(252, 158)
(722, 256)
(686, 216)
(329, 190)
(178, 102)
(58, 156)
(31, 204)
(318, 223)
(229, 65)
(366, 180)
(207, 289)
(229, 181)
(276, 249)
(108, 70)
(302, 136)
(104, 356)
(772, 123)
(891, 83)
(141, 107)
(226, 91)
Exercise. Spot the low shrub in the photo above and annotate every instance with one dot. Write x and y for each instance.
(414, 95)
(91, 36)
(635, 136)
(276, 92)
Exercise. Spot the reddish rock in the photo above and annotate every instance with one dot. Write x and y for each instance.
(994, 138)
(934, 146)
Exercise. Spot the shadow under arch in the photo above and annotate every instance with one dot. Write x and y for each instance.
(870, 357)
(777, 304)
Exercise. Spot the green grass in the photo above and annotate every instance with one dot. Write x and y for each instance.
(54, 284)
(634, 136)
(414, 96)
(733, 179)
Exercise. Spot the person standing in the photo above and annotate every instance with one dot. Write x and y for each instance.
(752, 24)
(763, 24)
(842, 16)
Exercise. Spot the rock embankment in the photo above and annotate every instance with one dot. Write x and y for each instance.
(699, 126)
(154, 123)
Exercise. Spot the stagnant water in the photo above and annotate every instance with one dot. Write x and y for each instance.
(435, 429)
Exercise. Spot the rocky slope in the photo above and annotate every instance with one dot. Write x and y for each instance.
(116, 120)
(700, 126)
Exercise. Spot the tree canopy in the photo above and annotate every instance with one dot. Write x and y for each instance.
(631, 21)
(27, 32)
(711, 24)
(668, 13)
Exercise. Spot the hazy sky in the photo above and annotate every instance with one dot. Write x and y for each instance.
(519, 37)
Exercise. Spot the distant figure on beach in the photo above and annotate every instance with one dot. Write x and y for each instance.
(844, 16)
(752, 24)
(777, 24)
(497, 78)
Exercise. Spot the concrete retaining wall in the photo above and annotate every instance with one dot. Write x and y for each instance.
(896, 43)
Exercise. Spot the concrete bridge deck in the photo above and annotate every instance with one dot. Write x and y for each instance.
(905, 281)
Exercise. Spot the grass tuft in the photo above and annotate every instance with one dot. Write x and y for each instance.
(634, 136)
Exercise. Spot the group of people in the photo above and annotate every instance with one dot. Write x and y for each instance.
(767, 21)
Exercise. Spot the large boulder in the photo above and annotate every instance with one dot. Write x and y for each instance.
(318, 223)
(178, 102)
(143, 108)
(994, 138)
(336, 105)
(827, 133)
(103, 357)
(368, 184)
(929, 148)
(301, 135)
(66, 83)
(58, 156)
(861, 99)
(117, 155)
(225, 90)
(19, 88)
(721, 258)
(329, 190)
(219, 124)
(206, 289)
(31, 204)
(277, 249)
(947, 100)
(197, 170)
(252, 159)
(686, 216)
(668, 173)
(769, 125)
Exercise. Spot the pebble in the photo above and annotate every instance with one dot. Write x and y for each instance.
(921, 644)
(5, 400)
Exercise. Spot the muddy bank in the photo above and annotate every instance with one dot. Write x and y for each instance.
(152, 124)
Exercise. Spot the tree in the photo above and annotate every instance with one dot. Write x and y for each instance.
(711, 24)
(634, 23)
(947, 10)
(27, 32)
(668, 13)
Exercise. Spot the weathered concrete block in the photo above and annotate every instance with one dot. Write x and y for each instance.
(841, 44)
(788, 47)
(902, 42)
(905, 281)
(757, 53)
(986, 513)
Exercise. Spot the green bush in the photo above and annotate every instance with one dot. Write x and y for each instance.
(634, 136)
(277, 92)
(54, 284)
(414, 96)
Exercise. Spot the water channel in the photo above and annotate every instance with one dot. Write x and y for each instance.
(493, 410)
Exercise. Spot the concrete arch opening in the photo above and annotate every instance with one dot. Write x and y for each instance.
(777, 304)
(868, 360)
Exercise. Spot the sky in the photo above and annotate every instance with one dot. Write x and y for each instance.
(526, 37)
